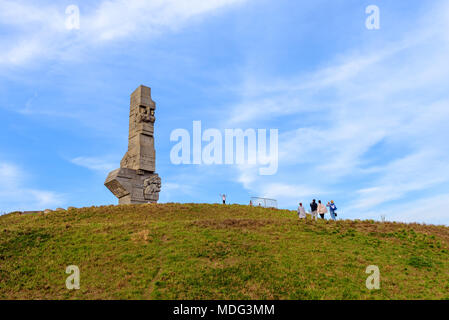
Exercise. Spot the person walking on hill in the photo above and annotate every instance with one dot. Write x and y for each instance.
(301, 212)
(223, 197)
(332, 209)
(313, 209)
(322, 210)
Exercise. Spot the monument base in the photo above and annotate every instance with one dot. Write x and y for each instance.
(134, 186)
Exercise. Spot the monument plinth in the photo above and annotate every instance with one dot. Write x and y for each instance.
(136, 181)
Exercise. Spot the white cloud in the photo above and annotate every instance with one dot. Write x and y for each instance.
(117, 19)
(397, 95)
(402, 176)
(38, 31)
(8, 175)
(16, 195)
(101, 164)
(289, 194)
(422, 210)
(173, 190)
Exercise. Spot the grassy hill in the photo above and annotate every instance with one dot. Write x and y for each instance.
(202, 251)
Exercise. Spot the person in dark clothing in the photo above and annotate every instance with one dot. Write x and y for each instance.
(314, 209)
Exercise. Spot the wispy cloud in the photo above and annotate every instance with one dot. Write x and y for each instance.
(16, 195)
(376, 116)
(39, 31)
(402, 176)
(100, 164)
(290, 194)
(368, 124)
(422, 210)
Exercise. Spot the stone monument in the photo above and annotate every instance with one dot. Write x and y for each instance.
(136, 181)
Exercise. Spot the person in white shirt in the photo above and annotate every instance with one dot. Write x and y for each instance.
(332, 209)
(301, 212)
(223, 196)
(322, 210)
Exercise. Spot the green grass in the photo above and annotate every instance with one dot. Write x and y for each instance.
(202, 251)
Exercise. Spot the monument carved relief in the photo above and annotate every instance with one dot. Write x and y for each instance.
(152, 187)
(136, 181)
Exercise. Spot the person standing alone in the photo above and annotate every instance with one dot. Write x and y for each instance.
(223, 196)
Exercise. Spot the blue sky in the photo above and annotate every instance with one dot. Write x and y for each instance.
(362, 114)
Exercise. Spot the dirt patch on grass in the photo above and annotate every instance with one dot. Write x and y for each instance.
(256, 291)
(234, 223)
(221, 263)
(141, 236)
(404, 230)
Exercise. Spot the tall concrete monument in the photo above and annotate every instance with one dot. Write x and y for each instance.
(136, 181)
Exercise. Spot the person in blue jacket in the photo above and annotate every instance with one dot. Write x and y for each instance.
(332, 209)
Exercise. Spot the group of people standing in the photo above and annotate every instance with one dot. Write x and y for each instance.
(318, 208)
(315, 209)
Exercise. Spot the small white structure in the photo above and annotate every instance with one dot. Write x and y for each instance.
(264, 202)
